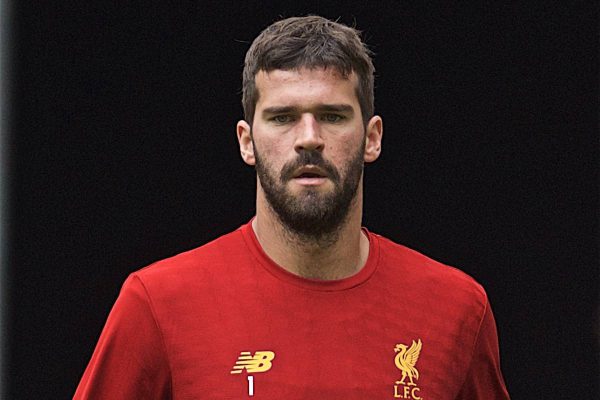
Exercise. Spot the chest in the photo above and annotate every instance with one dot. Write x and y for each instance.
(316, 345)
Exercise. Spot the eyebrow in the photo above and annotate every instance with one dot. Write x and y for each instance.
(341, 108)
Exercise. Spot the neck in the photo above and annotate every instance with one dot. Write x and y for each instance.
(337, 256)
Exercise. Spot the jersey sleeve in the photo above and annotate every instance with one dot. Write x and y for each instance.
(484, 379)
(130, 360)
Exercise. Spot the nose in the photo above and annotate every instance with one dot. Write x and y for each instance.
(308, 134)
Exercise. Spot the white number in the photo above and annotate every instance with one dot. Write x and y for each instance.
(250, 386)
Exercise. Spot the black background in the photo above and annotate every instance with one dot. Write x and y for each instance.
(123, 151)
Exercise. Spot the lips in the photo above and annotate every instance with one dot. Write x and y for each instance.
(309, 176)
(309, 172)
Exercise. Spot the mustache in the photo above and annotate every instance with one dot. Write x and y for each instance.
(305, 158)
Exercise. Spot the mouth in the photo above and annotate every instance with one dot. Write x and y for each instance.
(309, 171)
(310, 176)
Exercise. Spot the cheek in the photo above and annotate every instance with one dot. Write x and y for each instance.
(271, 153)
(343, 152)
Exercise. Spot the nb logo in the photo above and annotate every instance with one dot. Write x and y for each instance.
(259, 362)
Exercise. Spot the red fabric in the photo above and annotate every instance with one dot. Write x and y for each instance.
(179, 326)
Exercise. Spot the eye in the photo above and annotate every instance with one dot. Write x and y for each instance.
(332, 118)
(282, 119)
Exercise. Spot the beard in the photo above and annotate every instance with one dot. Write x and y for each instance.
(311, 215)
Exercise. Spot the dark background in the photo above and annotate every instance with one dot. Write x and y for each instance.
(123, 151)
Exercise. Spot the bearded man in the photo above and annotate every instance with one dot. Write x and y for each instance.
(301, 302)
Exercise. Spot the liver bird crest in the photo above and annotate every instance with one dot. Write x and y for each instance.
(405, 361)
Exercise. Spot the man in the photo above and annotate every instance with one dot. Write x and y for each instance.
(301, 303)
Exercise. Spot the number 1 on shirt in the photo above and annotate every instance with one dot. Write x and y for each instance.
(250, 386)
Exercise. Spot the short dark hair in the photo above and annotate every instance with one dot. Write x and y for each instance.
(310, 42)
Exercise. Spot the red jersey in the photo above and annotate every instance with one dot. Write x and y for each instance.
(224, 321)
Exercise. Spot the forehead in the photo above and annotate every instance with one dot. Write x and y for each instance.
(305, 87)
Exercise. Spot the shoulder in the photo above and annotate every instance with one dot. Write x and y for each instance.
(419, 270)
(193, 267)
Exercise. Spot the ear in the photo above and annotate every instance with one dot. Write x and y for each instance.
(374, 132)
(245, 140)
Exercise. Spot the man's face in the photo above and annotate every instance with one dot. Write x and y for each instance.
(309, 142)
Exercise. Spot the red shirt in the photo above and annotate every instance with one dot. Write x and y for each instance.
(224, 321)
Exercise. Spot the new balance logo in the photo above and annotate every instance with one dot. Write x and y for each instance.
(259, 362)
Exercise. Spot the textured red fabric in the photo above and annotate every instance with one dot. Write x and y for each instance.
(179, 326)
